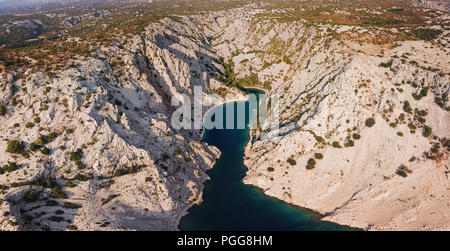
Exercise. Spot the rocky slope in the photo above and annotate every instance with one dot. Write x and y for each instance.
(364, 129)
(442, 5)
(92, 148)
(363, 136)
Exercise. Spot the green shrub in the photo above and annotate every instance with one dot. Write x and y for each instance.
(401, 173)
(426, 131)
(422, 113)
(81, 177)
(291, 161)
(29, 125)
(386, 65)
(41, 140)
(422, 93)
(58, 193)
(309, 167)
(287, 60)
(438, 100)
(319, 139)
(2, 110)
(336, 144)
(370, 122)
(15, 146)
(52, 136)
(177, 152)
(407, 106)
(80, 165)
(356, 136)
(349, 143)
(132, 169)
(270, 169)
(33, 147)
(31, 196)
(412, 126)
(318, 156)
(311, 164)
(45, 151)
(37, 120)
(118, 172)
(11, 167)
(70, 184)
(76, 156)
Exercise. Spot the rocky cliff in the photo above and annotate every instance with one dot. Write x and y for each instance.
(364, 130)
(91, 147)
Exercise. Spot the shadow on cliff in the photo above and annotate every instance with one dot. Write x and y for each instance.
(47, 214)
(175, 169)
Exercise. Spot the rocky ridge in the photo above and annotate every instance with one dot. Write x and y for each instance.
(363, 135)
(94, 149)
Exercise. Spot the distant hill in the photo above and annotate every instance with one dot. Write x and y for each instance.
(17, 5)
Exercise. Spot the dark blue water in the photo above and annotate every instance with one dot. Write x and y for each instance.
(229, 204)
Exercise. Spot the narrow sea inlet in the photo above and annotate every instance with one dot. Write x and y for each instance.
(229, 204)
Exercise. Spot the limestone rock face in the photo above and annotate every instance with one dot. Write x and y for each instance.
(100, 151)
(327, 154)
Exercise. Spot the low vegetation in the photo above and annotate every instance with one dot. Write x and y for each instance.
(311, 164)
(291, 161)
(2, 110)
(16, 146)
(369, 122)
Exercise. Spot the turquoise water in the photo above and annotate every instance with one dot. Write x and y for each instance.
(229, 204)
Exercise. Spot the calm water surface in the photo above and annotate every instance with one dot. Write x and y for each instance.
(229, 204)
